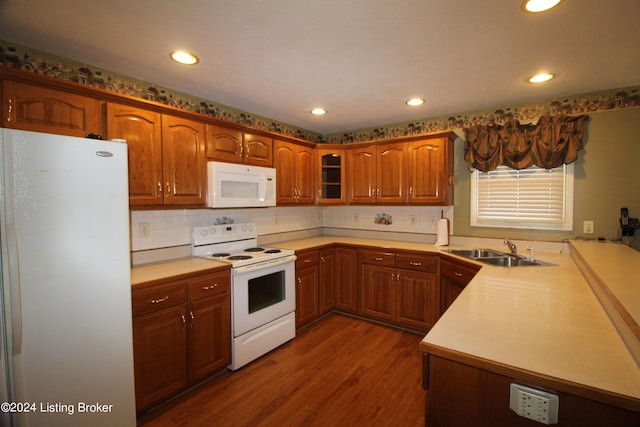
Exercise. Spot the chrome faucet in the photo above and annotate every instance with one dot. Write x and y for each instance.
(512, 246)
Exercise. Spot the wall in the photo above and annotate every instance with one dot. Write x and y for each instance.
(607, 177)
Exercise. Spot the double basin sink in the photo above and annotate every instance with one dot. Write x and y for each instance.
(497, 258)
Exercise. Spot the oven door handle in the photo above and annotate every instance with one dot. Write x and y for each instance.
(263, 264)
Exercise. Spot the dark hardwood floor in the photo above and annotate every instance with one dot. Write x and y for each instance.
(339, 371)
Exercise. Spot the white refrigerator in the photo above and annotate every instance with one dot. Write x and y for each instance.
(65, 318)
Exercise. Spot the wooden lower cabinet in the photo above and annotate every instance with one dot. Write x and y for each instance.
(455, 275)
(160, 355)
(327, 282)
(460, 394)
(306, 287)
(346, 279)
(181, 334)
(400, 288)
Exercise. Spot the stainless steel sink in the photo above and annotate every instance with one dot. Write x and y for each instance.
(497, 258)
(476, 253)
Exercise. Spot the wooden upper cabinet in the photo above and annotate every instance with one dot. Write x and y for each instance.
(183, 163)
(431, 171)
(294, 173)
(230, 145)
(361, 175)
(142, 130)
(38, 109)
(377, 174)
(258, 150)
(331, 175)
(223, 144)
(391, 174)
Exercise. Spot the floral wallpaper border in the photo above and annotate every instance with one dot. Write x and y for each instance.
(32, 60)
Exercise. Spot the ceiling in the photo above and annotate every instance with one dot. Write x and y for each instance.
(360, 59)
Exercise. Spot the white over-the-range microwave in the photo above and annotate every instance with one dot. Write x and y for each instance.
(233, 185)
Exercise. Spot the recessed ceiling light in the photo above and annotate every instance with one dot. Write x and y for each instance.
(535, 6)
(183, 57)
(414, 102)
(318, 111)
(541, 77)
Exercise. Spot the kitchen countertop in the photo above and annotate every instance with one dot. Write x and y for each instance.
(545, 321)
(174, 269)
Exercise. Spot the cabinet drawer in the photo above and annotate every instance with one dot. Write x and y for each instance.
(156, 298)
(387, 259)
(213, 284)
(458, 271)
(418, 262)
(306, 259)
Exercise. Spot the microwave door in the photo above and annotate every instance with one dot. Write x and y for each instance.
(262, 190)
(238, 190)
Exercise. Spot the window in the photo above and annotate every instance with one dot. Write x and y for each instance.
(532, 198)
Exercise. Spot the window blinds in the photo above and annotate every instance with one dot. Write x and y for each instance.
(525, 198)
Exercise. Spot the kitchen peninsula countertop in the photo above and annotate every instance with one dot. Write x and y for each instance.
(544, 321)
(174, 269)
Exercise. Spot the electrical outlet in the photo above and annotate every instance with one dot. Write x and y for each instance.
(587, 227)
(534, 404)
(276, 219)
(413, 220)
(144, 230)
(355, 218)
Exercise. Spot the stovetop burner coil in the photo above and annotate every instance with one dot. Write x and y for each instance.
(256, 249)
(239, 257)
(221, 254)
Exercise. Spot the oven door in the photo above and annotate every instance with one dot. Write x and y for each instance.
(262, 292)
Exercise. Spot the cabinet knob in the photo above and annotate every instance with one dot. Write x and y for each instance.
(377, 258)
(168, 188)
(207, 288)
(9, 110)
(417, 264)
(457, 274)
(159, 187)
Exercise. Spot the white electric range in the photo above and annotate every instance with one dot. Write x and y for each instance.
(262, 288)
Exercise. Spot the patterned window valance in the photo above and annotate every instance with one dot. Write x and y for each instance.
(552, 141)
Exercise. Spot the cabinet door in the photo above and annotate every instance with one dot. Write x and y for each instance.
(377, 286)
(326, 291)
(184, 167)
(331, 176)
(454, 277)
(346, 279)
(305, 175)
(285, 162)
(361, 175)
(143, 132)
(223, 144)
(417, 299)
(294, 173)
(209, 335)
(160, 355)
(391, 178)
(428, 171)
(258, 150)
(306, 288)
(38, 109)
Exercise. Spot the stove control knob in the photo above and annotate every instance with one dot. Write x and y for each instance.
(212, 231)
(204, 232)
(250, 227)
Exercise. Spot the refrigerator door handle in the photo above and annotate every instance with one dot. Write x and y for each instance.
(14, 290)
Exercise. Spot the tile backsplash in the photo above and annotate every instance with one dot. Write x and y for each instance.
(171, 228)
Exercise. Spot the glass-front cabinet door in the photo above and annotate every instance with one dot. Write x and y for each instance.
(331, 179)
